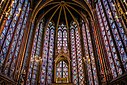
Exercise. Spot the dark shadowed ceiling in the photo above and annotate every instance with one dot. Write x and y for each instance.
(60, 11)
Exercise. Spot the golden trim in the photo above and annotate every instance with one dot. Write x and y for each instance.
(72, 15)
(35, 13)
(83, 7)
(46, 4)
(62, 57)
(76, 11)
(59, 17)
(41, 17)
(65, 17)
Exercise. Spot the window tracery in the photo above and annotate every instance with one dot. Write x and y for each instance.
(76, 55)
(78, 45)
(114, 39)
(12, 34)
(47, 57)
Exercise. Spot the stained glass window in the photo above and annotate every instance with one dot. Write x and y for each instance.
(12, 34)
(62, 71)
(35, 57)
(50, 57)
(47, 57)
(7, 33)
(79, 50)
(74, 59)
(76, 55)
(114, 39)
(62, 45)
(89, 55)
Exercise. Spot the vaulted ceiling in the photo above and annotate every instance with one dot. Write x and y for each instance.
(60, 11)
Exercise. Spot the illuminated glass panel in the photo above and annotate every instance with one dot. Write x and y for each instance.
(79, 57)
(118, 23)
(34, 70)
(50, 57)
(76, 54)
(44, 57)
(47, 57)
(62, 70)
(90, 77)
(59, 70)
(111, 51)
(62, 45)
(13, 55)
(117, 33)
(12, 35)
(8, 22)
(35, 57)
(73, 56)
(9, 28)
(65, 70)
(91, 56)
(65, 45)
(59, 41)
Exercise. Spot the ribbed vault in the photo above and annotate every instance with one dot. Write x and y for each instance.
(61, 11)
(68, 42)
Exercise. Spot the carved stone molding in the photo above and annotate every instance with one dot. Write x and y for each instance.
(62, 56)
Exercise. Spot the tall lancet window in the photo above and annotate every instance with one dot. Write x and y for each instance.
(89, 55)
(47, 55)
(76, 55)
(62, 68)
(36, 55)
(114, 36)
(12, 35)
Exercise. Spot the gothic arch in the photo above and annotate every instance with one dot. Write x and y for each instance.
(58, 59)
